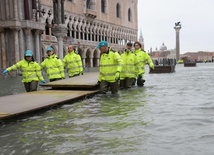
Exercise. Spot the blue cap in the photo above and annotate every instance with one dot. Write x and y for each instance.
(29, 53)
(49, 49)
(102, 43)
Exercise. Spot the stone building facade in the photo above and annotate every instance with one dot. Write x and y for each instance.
(31, 24)
(162, 53)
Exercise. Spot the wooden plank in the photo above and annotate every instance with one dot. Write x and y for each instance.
(21, 103)
(86, 81)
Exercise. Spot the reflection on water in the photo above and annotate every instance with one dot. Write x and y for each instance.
(172, 114)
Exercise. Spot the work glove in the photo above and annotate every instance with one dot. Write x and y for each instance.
(98, 83)
(117, 76)
(152, 68)
(42, 81)
(81, 73)
(5, 72)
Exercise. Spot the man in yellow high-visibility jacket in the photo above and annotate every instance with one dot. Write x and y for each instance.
(143, 59)
(130, 68)
(73, 62)
(110, 68)
(31, 71)
(53, 65)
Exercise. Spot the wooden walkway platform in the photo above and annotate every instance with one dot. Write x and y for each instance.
(86, 81)
(26, 102)
(13, 105)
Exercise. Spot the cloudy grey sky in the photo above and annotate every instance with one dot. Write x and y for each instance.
(156, 19)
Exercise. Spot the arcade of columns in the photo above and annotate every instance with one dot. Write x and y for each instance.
(81, 32)
(84, 34)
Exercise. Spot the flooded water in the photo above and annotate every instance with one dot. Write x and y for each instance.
(172, 114)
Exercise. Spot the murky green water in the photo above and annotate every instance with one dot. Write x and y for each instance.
(172, 114)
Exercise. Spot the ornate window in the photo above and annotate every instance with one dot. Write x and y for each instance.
(103, 6)
(88, 4)
(129, 15)
(118, 10)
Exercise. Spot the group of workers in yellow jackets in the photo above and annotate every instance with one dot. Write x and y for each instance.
(117, 71)
(31, 70)
(122, 71)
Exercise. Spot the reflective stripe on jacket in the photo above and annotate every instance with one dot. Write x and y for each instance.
(131, 66)
(110, 63)
(143, 58)
(54, 67)
(73, 62)
(31, 71)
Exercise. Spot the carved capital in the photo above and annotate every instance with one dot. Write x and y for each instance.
(59, 30)
(177, 29)
(15, 28)
(27, 30)
(38, 32)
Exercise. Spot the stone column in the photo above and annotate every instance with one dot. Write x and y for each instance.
(7, 10)
(60, 46)
(60, 31)
(16, 13)
(177, 31)
(83, 62)
(97, 62)
(17, 55)
(27, 38)
(3, 60)
(37, 47)
(83, 35)
(91, 62)
(49, 30)
(90, 33)
(75, 35)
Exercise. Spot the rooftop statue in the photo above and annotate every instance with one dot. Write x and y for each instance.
(178, 24)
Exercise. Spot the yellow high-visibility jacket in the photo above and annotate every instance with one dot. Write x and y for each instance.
(143, 58)
(54, 67)
(31, 71)
(73, 62)
(110, 64)
(131, 65)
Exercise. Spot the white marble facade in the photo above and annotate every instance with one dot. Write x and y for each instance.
(28, 24)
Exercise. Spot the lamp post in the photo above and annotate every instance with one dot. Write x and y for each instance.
(177, 31)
